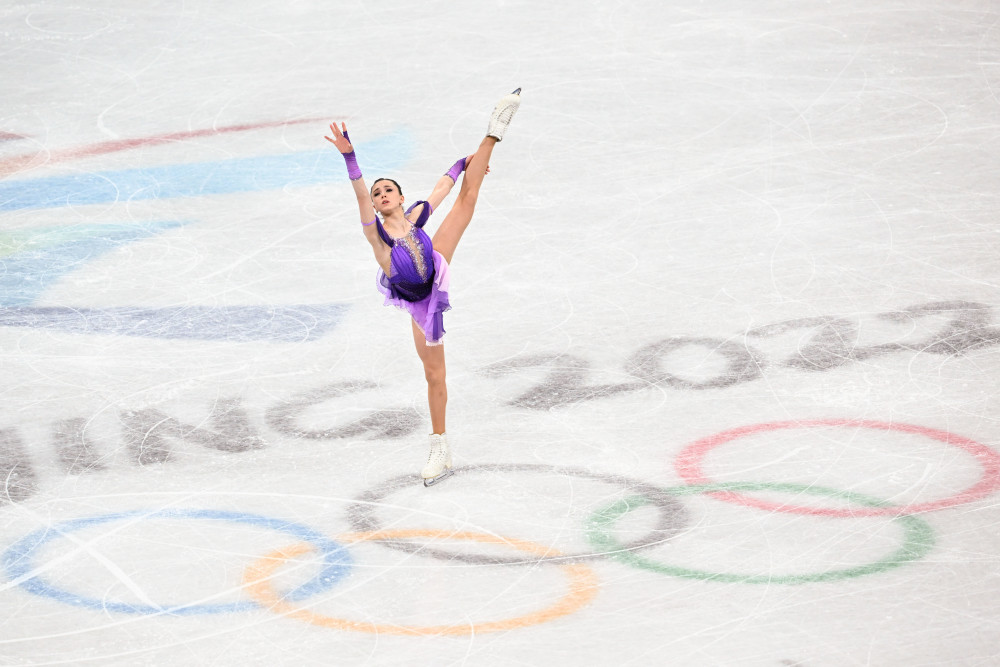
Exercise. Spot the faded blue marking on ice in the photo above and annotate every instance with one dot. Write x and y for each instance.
(268, 172)
(283, 324)
(32, 261)
(19, 561)
(49, 254)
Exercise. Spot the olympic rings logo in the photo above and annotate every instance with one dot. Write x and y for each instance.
(328, 561)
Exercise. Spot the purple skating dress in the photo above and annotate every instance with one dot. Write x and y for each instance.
(418, 279)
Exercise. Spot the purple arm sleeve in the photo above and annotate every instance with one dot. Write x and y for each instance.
(456, 169)
(353, 171)
(352, 165)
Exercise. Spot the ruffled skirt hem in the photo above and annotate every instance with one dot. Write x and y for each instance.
(428, 313)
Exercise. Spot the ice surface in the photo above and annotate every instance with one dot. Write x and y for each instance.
(724, 359)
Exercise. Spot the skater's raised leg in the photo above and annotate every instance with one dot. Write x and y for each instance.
(455, 223)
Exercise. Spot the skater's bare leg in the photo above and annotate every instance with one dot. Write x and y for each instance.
(455, 223)
(432, 357)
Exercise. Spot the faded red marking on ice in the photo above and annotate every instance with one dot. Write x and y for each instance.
(25, 162)
(688, 464)
(9, 136)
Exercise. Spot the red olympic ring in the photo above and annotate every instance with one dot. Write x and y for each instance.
(689, 465)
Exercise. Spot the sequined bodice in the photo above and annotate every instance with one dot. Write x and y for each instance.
(414, 246)
(411, 260)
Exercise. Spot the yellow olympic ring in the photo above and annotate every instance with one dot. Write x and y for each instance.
(582, 587)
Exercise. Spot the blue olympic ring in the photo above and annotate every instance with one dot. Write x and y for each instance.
(17, 561)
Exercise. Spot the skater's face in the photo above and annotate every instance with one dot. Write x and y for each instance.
(386, 196)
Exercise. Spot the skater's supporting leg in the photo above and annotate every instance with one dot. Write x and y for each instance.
(455, 223)
(432, 357)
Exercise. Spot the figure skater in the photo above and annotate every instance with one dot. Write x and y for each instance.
(413, 268)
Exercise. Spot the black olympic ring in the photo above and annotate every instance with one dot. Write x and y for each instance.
(673, 516)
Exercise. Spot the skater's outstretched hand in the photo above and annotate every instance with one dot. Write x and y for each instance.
(340, 139)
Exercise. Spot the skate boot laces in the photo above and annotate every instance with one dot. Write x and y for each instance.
(503, 113)
(439, 457)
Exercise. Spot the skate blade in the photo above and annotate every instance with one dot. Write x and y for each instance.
(431, 481)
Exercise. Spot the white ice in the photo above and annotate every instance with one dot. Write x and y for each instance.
(706, 216)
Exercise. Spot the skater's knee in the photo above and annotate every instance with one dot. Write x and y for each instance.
(435, 374)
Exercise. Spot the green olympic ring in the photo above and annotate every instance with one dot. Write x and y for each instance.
(918, 537)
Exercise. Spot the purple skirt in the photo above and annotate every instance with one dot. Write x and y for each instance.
(428, 312)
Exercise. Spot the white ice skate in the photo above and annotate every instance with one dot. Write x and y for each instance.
(438, 462)
(503, 113)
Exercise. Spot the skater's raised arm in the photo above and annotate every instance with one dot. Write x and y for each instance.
(446, 183)
(443, 187)
(365, 208)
